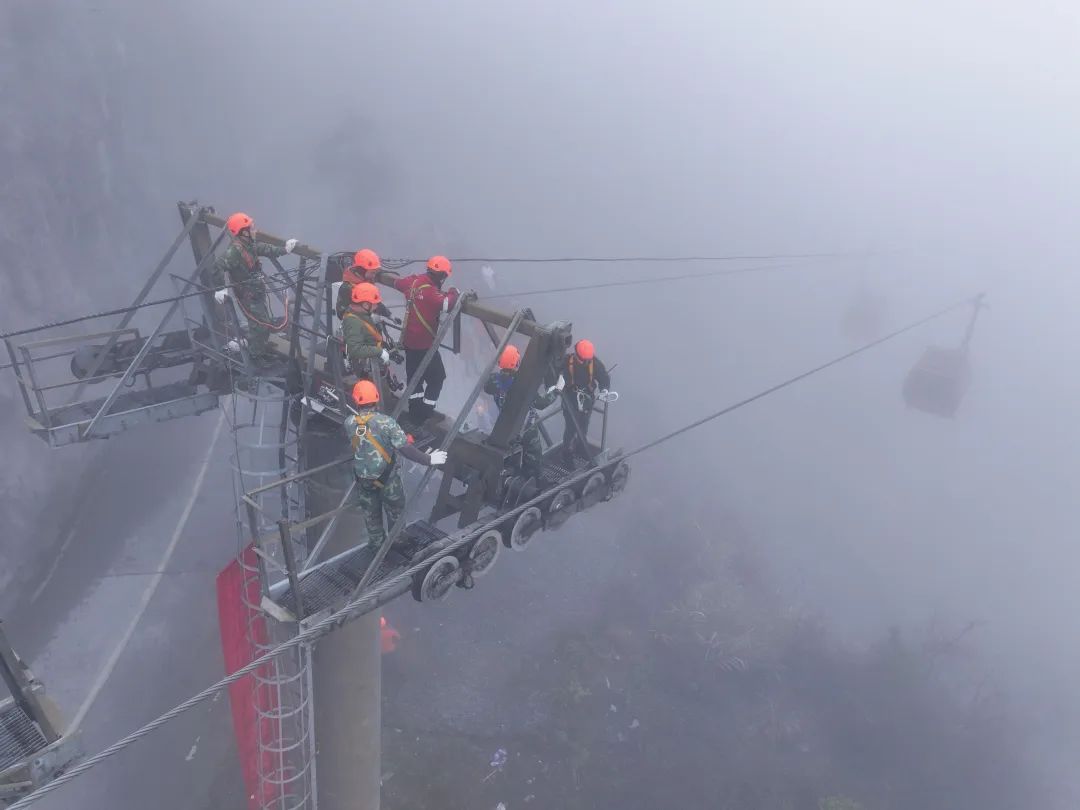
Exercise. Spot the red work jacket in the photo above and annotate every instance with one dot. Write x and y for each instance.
(423, 306)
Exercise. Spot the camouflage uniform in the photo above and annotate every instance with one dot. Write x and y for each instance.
(363, 341)
(240, 266)
(379, 488)
(532, 456)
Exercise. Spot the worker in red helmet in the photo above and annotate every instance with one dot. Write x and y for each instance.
(425, 303)
(587, 380)
(499, 384)
(364, 343)
(377, 441)
(238, 272)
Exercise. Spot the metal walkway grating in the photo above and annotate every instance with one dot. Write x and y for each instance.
(126, 401)
(555, 473)
(20, 738)
(328, 584)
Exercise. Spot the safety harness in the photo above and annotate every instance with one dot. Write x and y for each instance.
(246, 288)
(363, 433)
(412, 309)
(372, 329)
(584, 395)
(571, 367)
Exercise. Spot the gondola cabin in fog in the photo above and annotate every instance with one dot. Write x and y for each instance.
(938, 381)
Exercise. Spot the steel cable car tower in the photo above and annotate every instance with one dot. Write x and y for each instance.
(299, 558)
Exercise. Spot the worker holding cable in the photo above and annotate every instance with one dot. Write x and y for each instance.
(377, 441)
(238, 272)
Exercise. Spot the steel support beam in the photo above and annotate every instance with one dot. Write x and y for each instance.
(347, 670)
(145, 291)
(448, 439)
(543, 351)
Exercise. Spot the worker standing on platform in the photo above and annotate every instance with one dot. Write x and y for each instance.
(376, 442)
(425, 302)
(363, 339)
(587, 380)
(365, 267)
(238, 272)
(498, 385)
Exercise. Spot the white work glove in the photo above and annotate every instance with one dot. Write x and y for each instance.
(385, 357)
(290, 245)
(446, 304)
(233, 346)
(607, 396)
(221, 295)
(437, 457)
(559, 385)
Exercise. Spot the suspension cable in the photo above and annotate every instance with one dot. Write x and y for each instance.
(395, 264)
(285, 284)
(761, 268)
(369, 599)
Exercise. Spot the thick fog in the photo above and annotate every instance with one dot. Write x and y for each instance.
(935, 147)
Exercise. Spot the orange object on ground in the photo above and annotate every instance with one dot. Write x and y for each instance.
(390, 636)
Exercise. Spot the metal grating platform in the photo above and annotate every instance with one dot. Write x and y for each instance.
(332, 582)
(20, 738)
(130, 410)
(554, 473)
(127, 401)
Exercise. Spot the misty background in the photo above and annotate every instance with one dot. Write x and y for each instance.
(939, 145)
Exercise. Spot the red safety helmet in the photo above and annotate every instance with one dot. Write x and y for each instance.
(439, 264)
(237, 222)
(585, 350)
(365, 393)
(365, 293)
(366, 259)
(509, 358)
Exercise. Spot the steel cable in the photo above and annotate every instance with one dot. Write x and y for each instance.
(368, 599)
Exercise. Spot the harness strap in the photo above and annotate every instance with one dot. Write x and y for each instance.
(375, 333)
(249, 257)
(571, 366)
(413, 309)
(363, 433)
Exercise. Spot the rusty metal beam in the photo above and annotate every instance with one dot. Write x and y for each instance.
(476, 309)
(262, 236)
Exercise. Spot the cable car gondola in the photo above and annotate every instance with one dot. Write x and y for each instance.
(937, 383)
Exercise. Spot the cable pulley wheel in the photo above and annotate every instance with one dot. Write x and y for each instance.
(483, 553)
(596, 490)
(560, 508)
(619, 478)
(528, 523)
(438, 580)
